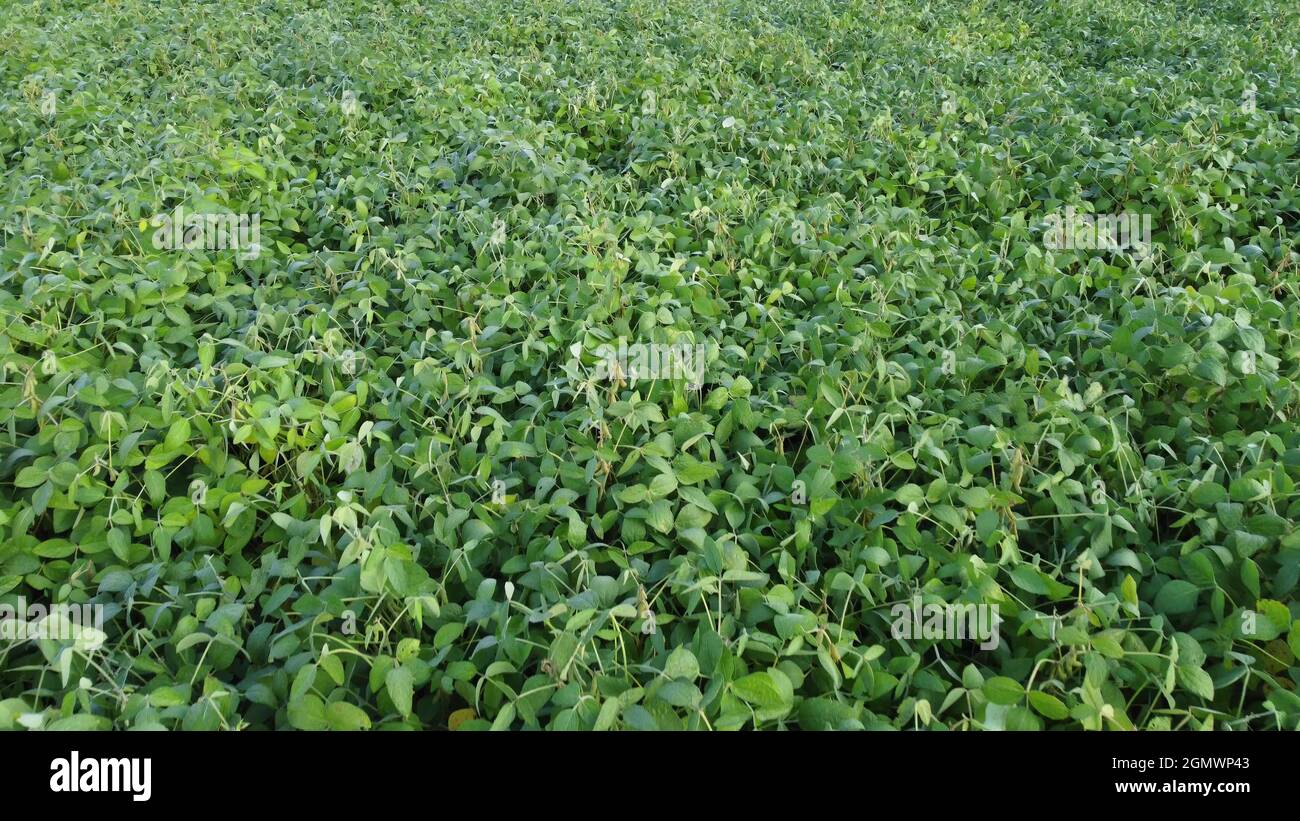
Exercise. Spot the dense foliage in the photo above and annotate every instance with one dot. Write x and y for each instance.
(373, 478)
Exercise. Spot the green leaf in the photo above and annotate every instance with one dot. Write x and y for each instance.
(765, 691)
(682, 664)
(1177, 597)
(1003, 690)
(308, 713)
(447, 634)
(401, 689)
(1196, 680)
(1048, 705)
(343, 716)
(824, 714)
